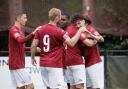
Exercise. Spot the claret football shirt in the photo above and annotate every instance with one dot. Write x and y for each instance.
(51, 40)
(17, 48)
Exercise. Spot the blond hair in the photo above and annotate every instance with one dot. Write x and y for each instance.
(53, 13)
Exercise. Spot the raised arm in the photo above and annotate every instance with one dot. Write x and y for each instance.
(23, 39)
(72, 41)
(99, 38)
(88, 42)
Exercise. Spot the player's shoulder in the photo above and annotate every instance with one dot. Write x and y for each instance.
(91, 28)
(41, 28)
(70, 28)
(47, 27)
(14, 29)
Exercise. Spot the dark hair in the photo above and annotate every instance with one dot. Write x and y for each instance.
(18, 14)
(87, 20)
(66, 14)
(76, 17)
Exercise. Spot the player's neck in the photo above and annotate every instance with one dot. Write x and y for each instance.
(17, 24)
(52, 22)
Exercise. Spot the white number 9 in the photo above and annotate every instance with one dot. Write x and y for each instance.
(46, 41)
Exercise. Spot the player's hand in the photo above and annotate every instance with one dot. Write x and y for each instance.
(38, 49)
(36, 29)
(83, 29)
(98, 38)
(101, 39)
(33, 61)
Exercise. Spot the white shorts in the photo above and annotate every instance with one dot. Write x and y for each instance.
(67, 76)
(75, 74)
(53, 77)
(94, 76)
(20, 77)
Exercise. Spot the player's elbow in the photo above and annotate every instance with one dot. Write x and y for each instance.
(90, 44)
(20, 41)
(101, 40)
(70, 44)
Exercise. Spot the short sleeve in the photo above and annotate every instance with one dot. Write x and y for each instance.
(15, 33)
(62, 34)
(37, 35)
(96, 33)
(83, 37)
(93, 31)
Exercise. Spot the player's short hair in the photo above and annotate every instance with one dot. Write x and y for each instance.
(66, 14)
(18, 14)
(53, 13)
(87, 20)
(80, 17)
(76, 17)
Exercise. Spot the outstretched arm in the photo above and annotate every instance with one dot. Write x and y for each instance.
(22, 39)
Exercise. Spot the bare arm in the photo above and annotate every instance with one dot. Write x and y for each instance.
(29, 49)
(38, 49)
(22, 39)
(89, 42)
(33, 50)
(99, 38)
(72, 41)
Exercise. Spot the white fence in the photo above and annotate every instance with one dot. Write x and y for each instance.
(5, 78)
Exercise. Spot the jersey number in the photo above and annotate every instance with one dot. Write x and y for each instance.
(46, 41)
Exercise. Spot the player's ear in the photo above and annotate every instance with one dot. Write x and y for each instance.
(18, 18)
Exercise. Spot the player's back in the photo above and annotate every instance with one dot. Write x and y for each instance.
(51, 44)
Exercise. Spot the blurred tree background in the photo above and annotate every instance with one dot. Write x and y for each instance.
(110, 18)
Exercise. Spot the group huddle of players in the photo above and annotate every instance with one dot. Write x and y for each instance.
(68, 52)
